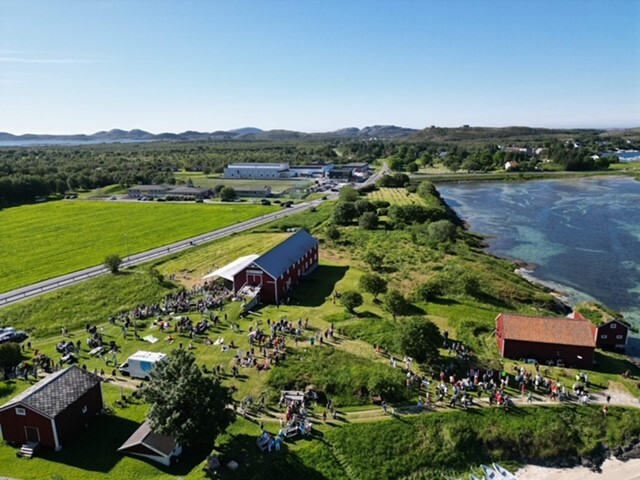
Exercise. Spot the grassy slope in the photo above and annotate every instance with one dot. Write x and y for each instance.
(45, 240)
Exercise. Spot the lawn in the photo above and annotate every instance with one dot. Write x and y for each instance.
(395, 196)
(46, 240)
(277, 186)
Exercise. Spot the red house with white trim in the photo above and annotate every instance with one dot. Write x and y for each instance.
(276, 272)
(52, 411)
(546, 339)
(612, 335)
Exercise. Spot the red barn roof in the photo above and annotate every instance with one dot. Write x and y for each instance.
(555, 330)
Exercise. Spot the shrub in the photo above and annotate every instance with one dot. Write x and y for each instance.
(368, 221)
(373, 284)
(351, 300)
(430, 290)
(113, 262)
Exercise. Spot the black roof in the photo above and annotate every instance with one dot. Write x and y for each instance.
(56, 392)
(161, 444)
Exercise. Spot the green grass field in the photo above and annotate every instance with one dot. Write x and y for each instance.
(277, 186)
(396, 196)
(45, 240)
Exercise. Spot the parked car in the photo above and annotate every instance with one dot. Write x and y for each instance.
(15, 337)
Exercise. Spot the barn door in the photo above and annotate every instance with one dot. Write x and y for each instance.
(33, 434)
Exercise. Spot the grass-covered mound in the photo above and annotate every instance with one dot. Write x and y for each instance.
(346, 378)
(427, 446)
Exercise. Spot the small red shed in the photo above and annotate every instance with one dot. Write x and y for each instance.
(53, 410)
(546, 339)
(612, 335)
(277, 271)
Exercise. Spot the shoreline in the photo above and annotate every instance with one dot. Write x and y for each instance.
(611, 469)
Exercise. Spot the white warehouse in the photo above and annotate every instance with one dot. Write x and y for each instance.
(257, 170)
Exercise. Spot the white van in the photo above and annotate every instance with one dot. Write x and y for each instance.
(140, 364)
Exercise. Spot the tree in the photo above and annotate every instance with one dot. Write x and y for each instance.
(420, 339)
(374, 259)
(348, 194)
(363, 205)
(441, 231)
(351, 300)
(113, 262)
(373, 284)
(368, 221)
(227, 194)
(394, 303)
(332, 232)
(184, 402)
(344, 213)
(10, 354)
(426, 189)
(412, 167)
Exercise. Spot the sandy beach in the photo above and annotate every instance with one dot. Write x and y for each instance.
(612, 469)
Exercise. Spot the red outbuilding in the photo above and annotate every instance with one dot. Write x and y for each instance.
(612, 335)
(274, 274)
(53, 410)
(546, 339)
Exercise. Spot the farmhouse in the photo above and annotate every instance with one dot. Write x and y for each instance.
(546, 339)
(271, 276)
(153, 446)
(612, 335)
(53, 410)
(257, 170)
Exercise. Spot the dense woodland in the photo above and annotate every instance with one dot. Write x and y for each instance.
(27, 173)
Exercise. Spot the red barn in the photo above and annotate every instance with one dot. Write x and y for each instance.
(53, 410)
(612, 335)
(277, 271)
(546, 339)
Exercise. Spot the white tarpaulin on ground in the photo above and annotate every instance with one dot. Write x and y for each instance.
(231, 269)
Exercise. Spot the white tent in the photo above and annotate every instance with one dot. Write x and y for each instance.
(231, 269)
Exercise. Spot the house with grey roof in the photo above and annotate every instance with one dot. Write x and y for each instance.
(152, 446)
(54, 410)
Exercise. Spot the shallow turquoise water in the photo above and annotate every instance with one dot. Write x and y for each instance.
(583, 235)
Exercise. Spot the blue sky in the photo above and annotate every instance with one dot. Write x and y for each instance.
(316, 65)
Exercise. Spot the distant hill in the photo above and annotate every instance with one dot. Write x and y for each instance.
(436, 135)
(382, 132)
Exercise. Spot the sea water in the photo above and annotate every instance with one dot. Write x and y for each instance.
(580, 236)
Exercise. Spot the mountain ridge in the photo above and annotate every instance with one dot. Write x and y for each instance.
(373, 132)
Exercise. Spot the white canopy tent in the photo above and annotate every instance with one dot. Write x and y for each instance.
(231, 269)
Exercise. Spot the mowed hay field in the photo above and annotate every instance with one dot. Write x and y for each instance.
(46, 240)
(396, 196)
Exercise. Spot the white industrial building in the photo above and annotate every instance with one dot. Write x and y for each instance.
(257, 170)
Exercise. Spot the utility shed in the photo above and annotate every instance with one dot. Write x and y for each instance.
(153, 446)
(546, 339)
(54, 410)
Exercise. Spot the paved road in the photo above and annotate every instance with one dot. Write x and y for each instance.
(46, 286)
(30, 291)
